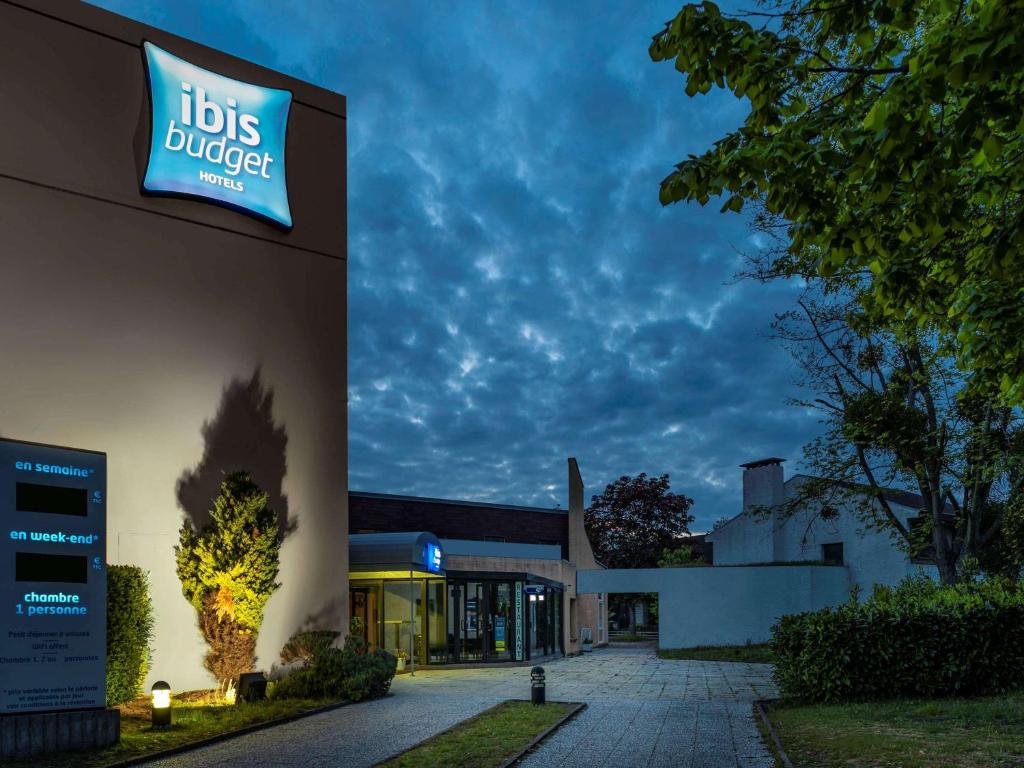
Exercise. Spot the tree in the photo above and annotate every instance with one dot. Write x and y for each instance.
(635, 519)
(888, 136)
(228, 572)
(897, 415)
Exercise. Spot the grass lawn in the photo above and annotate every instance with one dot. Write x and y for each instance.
(484, 741)
(752, 654)
(952, 733)
(195, 716)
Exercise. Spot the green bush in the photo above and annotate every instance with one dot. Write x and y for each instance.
(306, 645)
(228, 572)
(340, 674)
(129, 630)
(920, 639)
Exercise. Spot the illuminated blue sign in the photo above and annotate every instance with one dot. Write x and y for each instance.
(216, 138)
(433, 558)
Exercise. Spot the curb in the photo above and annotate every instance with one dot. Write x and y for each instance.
(227, 736)
(776, 742)
(516, 757)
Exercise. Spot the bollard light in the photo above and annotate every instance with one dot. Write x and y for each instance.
(537, 685)
(161, 704)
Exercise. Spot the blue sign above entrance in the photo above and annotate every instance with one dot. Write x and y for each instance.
(216, 138)
(433, 558)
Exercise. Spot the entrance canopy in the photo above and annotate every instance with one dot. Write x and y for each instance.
(372, 554)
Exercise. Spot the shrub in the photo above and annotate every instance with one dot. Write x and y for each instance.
(129, 630)
(341, 674)
(920, 639)
(681, 557)
(306, 645)
(228, 573)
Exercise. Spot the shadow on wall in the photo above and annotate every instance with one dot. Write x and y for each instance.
(241, 437)
(330, 616)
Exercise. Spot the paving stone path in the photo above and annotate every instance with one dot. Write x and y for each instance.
(642, 711)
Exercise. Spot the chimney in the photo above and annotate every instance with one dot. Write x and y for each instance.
(762, 483)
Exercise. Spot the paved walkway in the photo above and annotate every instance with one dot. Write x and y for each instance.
(642, 711)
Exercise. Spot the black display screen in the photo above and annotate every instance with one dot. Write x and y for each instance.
(52, 499)
(64, 569)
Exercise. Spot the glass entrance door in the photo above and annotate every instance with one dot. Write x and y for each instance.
(364, 605)
(473, 625)
(499, 621)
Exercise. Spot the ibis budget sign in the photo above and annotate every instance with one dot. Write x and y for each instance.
(216, 138)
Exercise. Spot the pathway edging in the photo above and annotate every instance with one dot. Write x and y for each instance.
(226, 736)
(515, 760)
(759, 707)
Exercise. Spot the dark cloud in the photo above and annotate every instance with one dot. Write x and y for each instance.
(517, 294)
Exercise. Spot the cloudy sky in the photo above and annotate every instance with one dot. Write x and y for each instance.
(517, 293)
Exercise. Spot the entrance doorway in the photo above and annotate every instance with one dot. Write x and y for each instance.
(481, 620)
(366, 608)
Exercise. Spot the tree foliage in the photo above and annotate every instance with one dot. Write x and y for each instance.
(228, 572)
(897, 416)
(635, 519)
(889, 136)
(680, 557)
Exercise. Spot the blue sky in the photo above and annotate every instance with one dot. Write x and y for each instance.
(517, 293)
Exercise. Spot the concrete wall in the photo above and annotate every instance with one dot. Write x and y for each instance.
(724, 606)
(182, 339)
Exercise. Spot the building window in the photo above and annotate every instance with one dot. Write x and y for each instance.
(832, 554)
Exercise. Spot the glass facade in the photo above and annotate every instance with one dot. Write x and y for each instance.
(544, 608)
(459, 620)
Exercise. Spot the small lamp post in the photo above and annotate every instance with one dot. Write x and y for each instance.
(161, 704)
(537, 685)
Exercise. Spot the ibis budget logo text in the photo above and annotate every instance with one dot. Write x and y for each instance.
(216, 138)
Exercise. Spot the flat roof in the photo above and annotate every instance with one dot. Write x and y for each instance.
(455, 502)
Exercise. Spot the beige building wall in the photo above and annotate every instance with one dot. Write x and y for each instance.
(584, 610)
(184, 340)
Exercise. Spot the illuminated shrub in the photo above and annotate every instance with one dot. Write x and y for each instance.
(306, 645)
(129, 630)
(228, 571)
(340, 674)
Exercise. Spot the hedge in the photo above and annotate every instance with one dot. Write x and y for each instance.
(350, 673)
(920, 639)
(129, 630)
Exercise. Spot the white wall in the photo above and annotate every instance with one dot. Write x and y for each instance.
(724, 606)
(872, 556)
(743, 540)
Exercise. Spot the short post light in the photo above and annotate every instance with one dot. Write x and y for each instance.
(161, 704)
(537, 685)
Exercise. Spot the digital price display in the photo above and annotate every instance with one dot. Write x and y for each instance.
(53, 579)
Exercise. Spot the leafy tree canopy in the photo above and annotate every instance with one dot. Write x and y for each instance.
(896, 416)
(888, 136)
(635, 520)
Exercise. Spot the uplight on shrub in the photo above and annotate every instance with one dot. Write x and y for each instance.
(161, 704)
